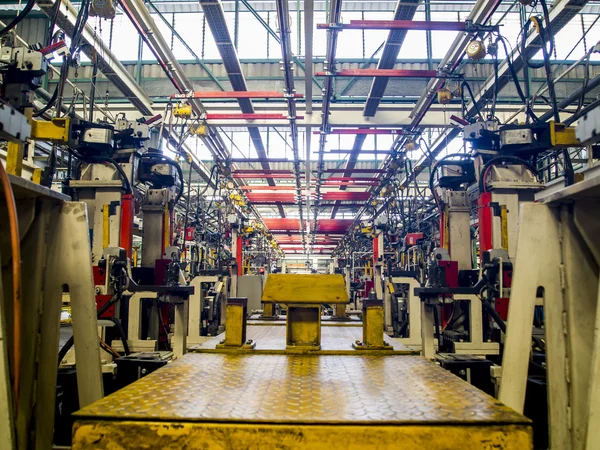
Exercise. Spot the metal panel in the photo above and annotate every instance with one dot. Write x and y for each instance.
(250, 286)
(310, 289)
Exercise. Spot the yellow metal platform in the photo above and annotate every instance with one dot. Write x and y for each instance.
(224, 401)
(307, 289)
(270, 339)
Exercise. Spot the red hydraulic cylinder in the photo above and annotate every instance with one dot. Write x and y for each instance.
(126, 238)
(484, 212)
(238, 256)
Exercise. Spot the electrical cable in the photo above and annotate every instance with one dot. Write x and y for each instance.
(433, 171)
(15, 244)
(28, 7)
(106, 159)
(122, 335)
(515, 78)
(465, 84)
(65, 348)
(53, 18)
(498, 159)
(171, 162)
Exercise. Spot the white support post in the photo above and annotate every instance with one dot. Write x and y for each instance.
(427, 324)
(195, 310)
(69, 263)
(180, 333)
(539, 256)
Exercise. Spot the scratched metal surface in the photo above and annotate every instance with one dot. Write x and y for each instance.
(303, 389)
(272, 339)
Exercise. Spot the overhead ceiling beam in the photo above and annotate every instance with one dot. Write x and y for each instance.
(405, 10)
(215, 18)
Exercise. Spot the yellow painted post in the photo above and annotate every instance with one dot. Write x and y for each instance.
(236, 312)
(37, 176)
(373, 318)
(105, 226)
(14, 158)
(167, 226)
(504, 227)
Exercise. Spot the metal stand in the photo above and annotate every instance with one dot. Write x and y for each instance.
(414, 312)
(56, 255)
(558, 253)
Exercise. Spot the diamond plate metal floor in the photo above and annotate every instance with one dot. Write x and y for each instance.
(271, 339)
(300, 402)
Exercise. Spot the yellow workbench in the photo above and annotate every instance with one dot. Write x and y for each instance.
(286, 401)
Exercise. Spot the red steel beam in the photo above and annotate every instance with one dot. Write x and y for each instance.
(272, 197)
(355, 170)
(388, 73)
(361, 131)
(268, 188)
(402, 25)
(248, 116)
(234, 94)
(374, 180)
(345, 195)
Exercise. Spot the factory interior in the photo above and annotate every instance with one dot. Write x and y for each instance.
(299, 224)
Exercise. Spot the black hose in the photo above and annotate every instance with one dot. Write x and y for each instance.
(122, 334)
(171, 162)
(53, 19)
(465, 84)
(434, 169)
(436, 321)
(17, 20)
(492, 312)
(498, 159)
(515, 78)
(65, 348)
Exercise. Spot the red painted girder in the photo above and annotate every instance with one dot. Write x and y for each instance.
(345, 195)
(282, 224)
(270, 197)
(352, 179)
(268, 188)
(362, 131)
(387, 73)
(355, 170)
(248, 116)
(235, 94)
(397, 25)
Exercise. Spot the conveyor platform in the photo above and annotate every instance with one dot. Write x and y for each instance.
(260, 401)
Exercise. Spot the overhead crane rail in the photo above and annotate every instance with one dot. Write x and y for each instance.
(467, 26)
